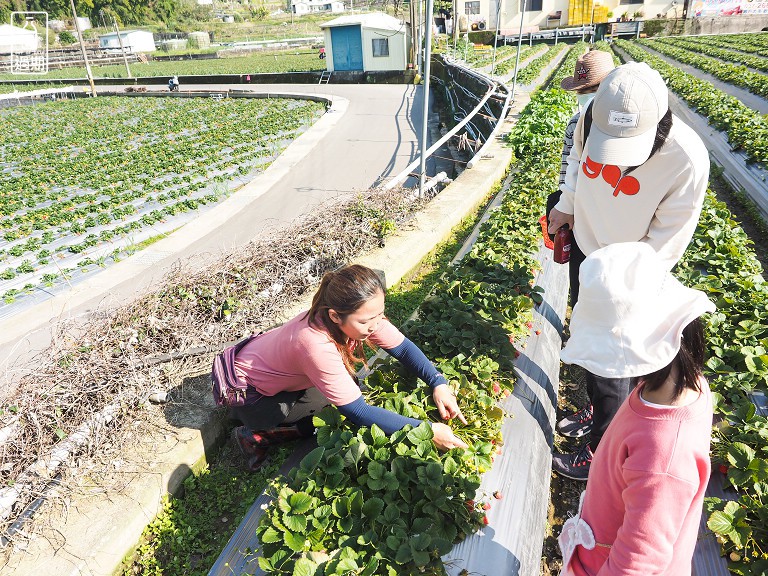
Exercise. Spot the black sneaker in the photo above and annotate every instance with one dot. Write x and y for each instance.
(574, 465)
(576, 425)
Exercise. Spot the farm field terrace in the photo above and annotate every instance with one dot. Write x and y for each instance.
(286, 61)
(83, 181)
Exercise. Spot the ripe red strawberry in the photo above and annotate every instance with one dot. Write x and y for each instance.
(486, 506)
(485, 520)
(538, 332)
(723, 469)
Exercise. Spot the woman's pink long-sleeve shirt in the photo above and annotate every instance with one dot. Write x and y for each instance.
(298, 355)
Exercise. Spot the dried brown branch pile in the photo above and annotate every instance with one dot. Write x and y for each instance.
(108, 359)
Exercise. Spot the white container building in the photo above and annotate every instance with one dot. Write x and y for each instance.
(133, 41)
(366, 42)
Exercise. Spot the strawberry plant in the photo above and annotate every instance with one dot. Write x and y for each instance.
(706, 45)
(289, 61)
(116, 166)
(720, 261)
(731, 73)
(532, 70)
(507, 65)
(747, 130)
(752, 43)
(367, 503)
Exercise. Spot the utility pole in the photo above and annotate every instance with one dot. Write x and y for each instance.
(419, 36)
(455, 23)
(82, 49)
(496, 36)
(425, 93)
(122, 48)
(519, 42)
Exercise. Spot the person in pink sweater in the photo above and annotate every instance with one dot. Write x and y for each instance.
(640, 512)
(296, 369)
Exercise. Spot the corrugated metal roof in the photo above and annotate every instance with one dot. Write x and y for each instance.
(377, 20)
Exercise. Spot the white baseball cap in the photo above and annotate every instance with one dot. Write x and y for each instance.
(626, 110)
(631, 312)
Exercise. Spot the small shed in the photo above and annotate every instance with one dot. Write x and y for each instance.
(133, 41)
(366, 42)
(15, 40)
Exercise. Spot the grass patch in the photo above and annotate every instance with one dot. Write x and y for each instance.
(191, 530)
(405, 296)
(149, 241)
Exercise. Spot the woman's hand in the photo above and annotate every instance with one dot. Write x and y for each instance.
(559, 219)
(444, 438)
(445, 400)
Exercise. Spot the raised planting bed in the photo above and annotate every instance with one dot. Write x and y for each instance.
(532, 70)
(721, 262)
(120, 170)
(286, 61)
(737, 75)
(755, 43)
(706, 45)
(747, 130)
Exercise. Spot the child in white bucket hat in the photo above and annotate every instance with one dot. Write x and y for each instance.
(640, 176)
(643, 502)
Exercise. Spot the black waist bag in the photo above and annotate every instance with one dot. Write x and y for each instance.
(228, 389)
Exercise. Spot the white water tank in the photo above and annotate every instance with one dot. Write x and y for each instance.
(199, 40)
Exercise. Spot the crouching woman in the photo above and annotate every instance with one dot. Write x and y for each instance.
(298, 368)
(641, 509)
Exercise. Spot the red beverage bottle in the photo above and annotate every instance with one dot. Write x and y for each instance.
(562, 245)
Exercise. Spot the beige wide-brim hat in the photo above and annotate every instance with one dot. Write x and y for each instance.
(626, 111)
(631, 312)
(590, 70)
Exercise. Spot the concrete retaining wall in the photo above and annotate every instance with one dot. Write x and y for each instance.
(727, 24)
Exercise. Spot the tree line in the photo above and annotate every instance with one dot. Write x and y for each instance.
(125, 11)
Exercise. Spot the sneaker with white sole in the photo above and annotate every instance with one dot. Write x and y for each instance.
(577, 424)
(574, 465)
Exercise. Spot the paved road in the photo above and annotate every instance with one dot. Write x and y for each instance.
(370, 133)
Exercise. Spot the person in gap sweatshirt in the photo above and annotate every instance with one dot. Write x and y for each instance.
(640, 176)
